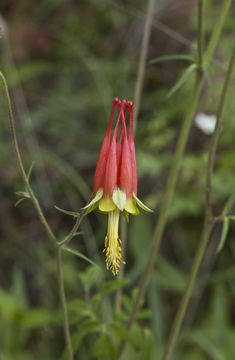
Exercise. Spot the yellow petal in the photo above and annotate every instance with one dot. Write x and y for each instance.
(106, 204)
(131, 206)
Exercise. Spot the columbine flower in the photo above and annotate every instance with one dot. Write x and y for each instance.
(115, 181)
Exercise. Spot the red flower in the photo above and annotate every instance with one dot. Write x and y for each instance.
(115, 180)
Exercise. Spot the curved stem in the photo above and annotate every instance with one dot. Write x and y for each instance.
(63, 303)
(44, 222)
(21, 166)
(208, 223)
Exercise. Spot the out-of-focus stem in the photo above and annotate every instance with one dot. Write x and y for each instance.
(200, 38)
(208, 222)
(142, 61)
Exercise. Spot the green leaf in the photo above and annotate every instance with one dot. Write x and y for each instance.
(181, 80)
(229, 204)
(70, 213)
(108, 288)
(224, 234)
(104, 348)
(147, 345)
(19, 201)
(30, 170)
(77, 253)
(208, 75)
(23, 194)
(172, 57)
(217, 31)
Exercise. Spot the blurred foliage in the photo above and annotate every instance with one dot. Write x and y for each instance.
(65, 61)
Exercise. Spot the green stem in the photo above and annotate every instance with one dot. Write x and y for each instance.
(217, 31)
(21, 166)
(63, 303)
(200, 38)
(208, 223)
(215, 136)
(157, 237)
(42, 218)
(207, 228)
(142, 61)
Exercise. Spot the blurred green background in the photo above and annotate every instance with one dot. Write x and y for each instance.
(64, 62)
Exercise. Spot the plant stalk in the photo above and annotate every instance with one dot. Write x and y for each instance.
(142, 61)
(42, 218)
(63, 302)
(209, 221)
(44, 222)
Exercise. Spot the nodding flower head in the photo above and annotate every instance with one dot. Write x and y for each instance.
(115, 180)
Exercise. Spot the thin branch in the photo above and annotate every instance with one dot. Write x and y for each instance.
(69, 237)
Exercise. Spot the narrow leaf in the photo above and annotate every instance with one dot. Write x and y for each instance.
(23, 194)
(172, 57)
(19, 201)
(224, 234)
(207, 72)
(229, 204)
(30, 170)
(70, 213)
(77, 253)
(181, 80)
(217, 31)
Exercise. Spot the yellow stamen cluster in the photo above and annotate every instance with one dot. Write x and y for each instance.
(113, 243)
